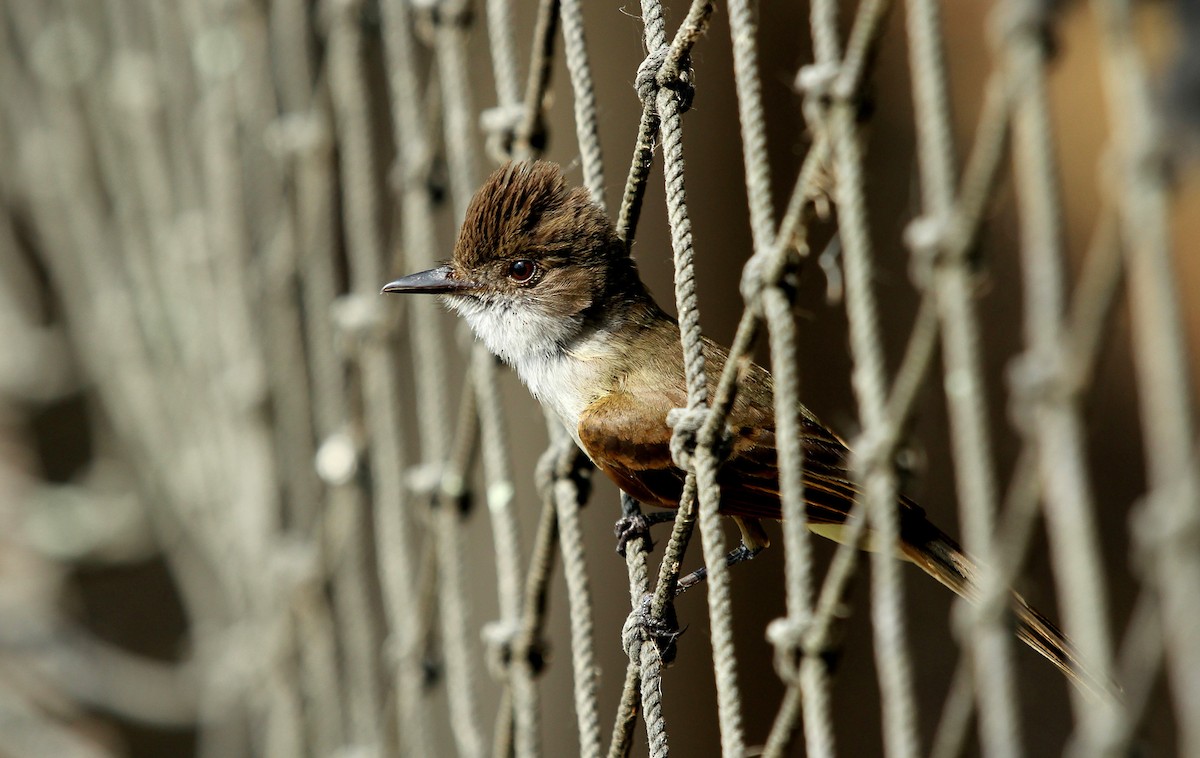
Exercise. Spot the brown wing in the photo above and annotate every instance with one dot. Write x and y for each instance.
(627, 436)
(749, 478)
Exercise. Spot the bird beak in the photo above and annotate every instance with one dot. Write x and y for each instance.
(435, 281)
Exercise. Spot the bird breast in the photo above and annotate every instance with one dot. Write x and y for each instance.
(565, 382)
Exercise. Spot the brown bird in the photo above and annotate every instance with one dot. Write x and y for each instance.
(542, 278)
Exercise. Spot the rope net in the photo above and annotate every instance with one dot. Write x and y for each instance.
(240, 488)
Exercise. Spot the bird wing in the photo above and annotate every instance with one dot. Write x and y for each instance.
(629, 440)
(626, 435)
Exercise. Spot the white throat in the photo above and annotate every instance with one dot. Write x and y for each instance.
(550, 354)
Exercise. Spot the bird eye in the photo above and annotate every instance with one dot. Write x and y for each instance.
(522, 271)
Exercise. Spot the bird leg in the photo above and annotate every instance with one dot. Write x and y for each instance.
(754, 541)
(737, 555)
(631, 527)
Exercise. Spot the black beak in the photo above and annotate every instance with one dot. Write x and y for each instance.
(435, 281)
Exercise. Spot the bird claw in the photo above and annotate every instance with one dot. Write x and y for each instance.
(629, 528)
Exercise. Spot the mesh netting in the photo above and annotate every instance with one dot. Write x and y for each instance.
(239, 505)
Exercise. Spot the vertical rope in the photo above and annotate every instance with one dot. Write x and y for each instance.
(1172, 507)
(878, 478)
(637, 565)
(776, 305)
(806, 631)
(561, 488)
(449, 39)
(712, 539)
(504, 56)
(990, 641)
(587, 128)
(743, 30)
(500, 495)
(708, 492)
(1091, 311)
(425, 329)
(304, 131)
(1050, 405)
(365, 252)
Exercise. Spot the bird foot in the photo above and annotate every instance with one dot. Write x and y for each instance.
(644, 625)
(737, 555)
(629, 528)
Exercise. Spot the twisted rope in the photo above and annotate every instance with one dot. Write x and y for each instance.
(1053, 418)
(874, 470)
(990, 641)
(1141, 195)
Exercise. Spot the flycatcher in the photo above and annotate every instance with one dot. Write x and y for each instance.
(542, 278)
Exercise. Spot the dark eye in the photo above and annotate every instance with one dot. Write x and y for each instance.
(522, 271)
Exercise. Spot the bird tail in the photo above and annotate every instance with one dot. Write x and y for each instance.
(941, 557)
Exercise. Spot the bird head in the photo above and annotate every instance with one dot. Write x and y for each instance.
(534, 264)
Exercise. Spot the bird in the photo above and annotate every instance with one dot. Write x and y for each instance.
(543, 279)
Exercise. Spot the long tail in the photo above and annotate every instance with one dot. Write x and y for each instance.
(941, 557)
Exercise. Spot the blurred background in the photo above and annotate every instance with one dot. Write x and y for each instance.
(198, 203)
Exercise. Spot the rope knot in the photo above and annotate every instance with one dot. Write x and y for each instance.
(765, 270)
(451, 13)
(337, 459)
(296, 568)
(424, 478)
(1038, 378)
(294, 135)
(928, 239)
(1159, 529)
(642, 626)
(755, 276)
(402, 650)
(797, 638)
(816, 80)
(1027, 21)
(564, 463)
(440, 484)
(505, 643)
(966, 617)
(236, 658)
(359, 317)
(872, 452)
(786, 635)
(133, 82)
(686, 424)
(502, 123)
(427, 172)
(658, 72)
